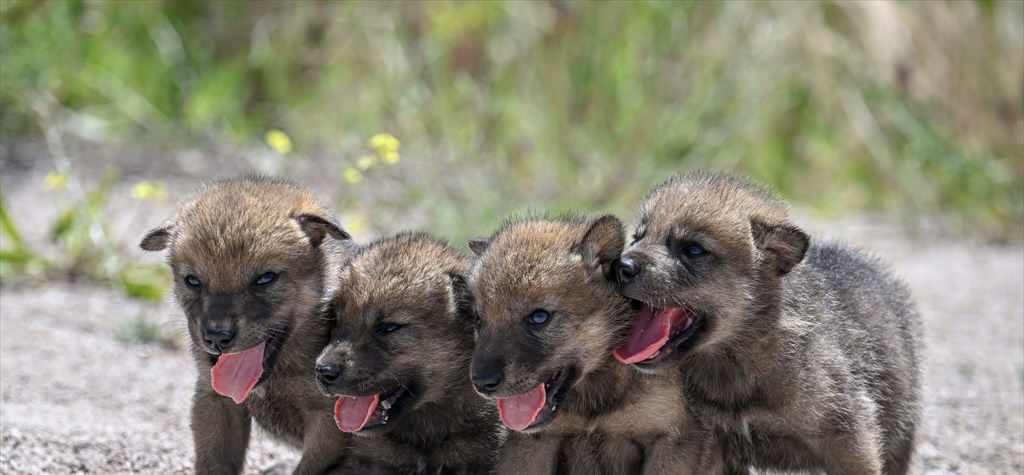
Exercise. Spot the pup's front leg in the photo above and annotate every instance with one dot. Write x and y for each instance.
(854, 453)
(694, 453)
(220, 430)
(323, 446)
(524, 454)
(850, 444)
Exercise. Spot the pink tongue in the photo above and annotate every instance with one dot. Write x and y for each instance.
(235, 374)
(352, 413)
(518, 412)
(649, 333)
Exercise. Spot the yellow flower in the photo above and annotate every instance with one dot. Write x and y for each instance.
(279, 141)
(386, 146)
(390, 157)
(352, 175)
(366, 162)
(55, 180)
(148, 190)
(384, 142)
(356, 224)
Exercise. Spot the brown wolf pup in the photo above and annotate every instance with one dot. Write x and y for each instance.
(798, 356)
(251, 259)
(398, 359)
(549, 315)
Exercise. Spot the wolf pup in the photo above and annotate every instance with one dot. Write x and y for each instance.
(398, 359)
(252, 258)
(799, 356)
(548, 318)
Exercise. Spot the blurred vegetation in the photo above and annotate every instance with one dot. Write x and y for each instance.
(910, 108)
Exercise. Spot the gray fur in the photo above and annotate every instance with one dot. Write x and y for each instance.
(226, 235)
(416, 281)
(808, 355)
(609, 419)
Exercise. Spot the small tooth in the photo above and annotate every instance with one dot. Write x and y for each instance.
(385, 404)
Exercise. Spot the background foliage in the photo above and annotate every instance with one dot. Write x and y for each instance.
(913, 109)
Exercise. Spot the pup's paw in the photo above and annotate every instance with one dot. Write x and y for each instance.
(286, 467)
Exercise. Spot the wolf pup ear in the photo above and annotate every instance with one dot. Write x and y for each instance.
(317, 228)
(603, 242)
(784, 244)
(460, 290)
(479, 245)
(156, 239)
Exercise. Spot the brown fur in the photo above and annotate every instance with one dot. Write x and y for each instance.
(807, 354)
(227, 235)
(610, 419)
(442, 426)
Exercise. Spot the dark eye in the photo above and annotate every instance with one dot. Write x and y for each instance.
(538, 317)
(388, 327)
(476, 321)
(191, 281)
(266, 278)
(637, 236)
(695, 250)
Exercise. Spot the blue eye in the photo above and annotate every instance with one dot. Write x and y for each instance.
(266, 278)
(191, 281)
(539, 317)
(388, 327)
(695, 250)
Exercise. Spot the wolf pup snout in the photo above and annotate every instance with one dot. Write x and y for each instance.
(327, 374)
(217, 340)
(625, 269)
(486, 375)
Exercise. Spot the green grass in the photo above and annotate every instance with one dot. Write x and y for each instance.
(16, 257)
(911, 109)
(142, 329)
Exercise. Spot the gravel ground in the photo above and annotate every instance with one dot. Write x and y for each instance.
(77, 398)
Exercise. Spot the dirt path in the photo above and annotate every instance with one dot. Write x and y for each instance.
(75, 398)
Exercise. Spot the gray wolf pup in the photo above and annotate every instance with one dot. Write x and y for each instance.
(398, 361)
(796, 355)
(252, 258)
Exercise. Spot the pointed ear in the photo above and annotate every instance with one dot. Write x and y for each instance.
(784, 244)
(317, 228)
(460, 289)
(479, 245)
(603, 242)
(156, 239)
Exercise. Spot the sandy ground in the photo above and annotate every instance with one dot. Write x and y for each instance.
(76, 398)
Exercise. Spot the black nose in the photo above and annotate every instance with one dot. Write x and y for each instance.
(486, 381)
(218, 338)
(625, 270)
(327, 373)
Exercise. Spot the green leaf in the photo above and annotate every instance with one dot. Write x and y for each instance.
(147, 282)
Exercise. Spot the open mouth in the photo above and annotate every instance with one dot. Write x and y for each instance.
(657, 333)
(535, 408)
(235, 374)
(363, 413)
